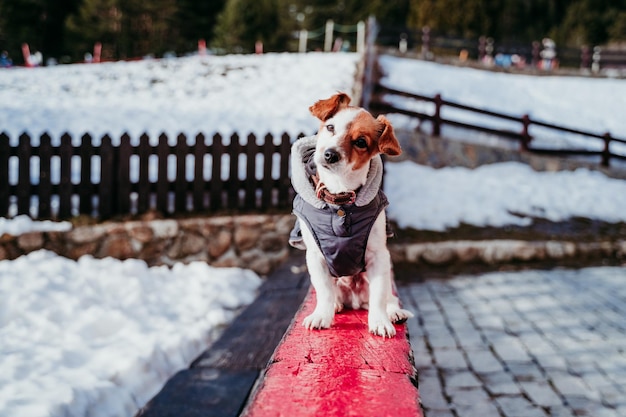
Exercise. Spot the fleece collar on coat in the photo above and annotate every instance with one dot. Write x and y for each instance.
(304, 187)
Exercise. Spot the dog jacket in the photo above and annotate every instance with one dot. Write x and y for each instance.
(341, 232)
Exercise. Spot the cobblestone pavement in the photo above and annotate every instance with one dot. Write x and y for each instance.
(521, 344)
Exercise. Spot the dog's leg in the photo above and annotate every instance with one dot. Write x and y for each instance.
(325, 289)
(378, 267)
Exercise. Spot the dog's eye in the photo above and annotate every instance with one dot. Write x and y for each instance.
(330, 128)
(360, 143)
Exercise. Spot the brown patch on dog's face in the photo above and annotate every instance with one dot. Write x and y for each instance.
(366, 137)
(325, 109)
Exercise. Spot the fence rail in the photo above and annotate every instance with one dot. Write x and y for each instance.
(100, 179)
(380, 105)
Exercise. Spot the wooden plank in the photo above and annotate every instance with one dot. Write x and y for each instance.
(341, 371)
(84, 186)
(216, 173)
(202, 393)
(23, 174)
(143, 186)
(233, 178)
(163, 186)
(106, 189)
(267, 182)
(250, 181)
(45, 181)
(65, 181)
(200, 149)
(5, 189)
(284, 177)
(180, 185)
(123, 175)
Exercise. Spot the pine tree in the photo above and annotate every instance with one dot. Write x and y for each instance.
(244, 22)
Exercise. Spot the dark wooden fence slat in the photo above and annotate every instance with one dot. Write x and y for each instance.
(180, 185)
(24, 152)
(143, 189)
(163, 188)
(233, 179)
(267, 181)
(45, 182)
(216, 173)
(284, 180)
(5, 189)
(108, 169)
(65, 181)
(250, 181)
(198, 184)
(85, 186)
(123, 180)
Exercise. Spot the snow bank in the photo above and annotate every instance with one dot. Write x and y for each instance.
(100, 337)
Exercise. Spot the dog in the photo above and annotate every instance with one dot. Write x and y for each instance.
(340, 210)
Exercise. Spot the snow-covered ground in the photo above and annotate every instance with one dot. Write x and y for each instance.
(226, 94)
(98, 337)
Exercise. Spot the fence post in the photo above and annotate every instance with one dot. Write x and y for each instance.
(45, 181)
(606, 152)
(360, 37)
(328, 38)
(304, 35)
(425, 42)
(525, 132)
(65, 183)
(437, 116)
(24, 152)
(5, 189)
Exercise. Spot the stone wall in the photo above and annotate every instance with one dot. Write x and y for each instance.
(505, 251)
(257, 242)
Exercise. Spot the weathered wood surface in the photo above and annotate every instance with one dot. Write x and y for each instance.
(343, 371)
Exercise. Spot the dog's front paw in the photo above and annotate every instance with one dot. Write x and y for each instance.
(399, 315)
(380, 325)
(317, 321)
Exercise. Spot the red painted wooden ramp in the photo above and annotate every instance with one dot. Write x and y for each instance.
(342, 371)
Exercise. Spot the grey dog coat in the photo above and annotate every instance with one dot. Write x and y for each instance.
(341, 232)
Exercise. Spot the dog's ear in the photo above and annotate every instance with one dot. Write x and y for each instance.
(325, 109)
(387, 141)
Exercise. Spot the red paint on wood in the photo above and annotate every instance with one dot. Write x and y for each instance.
(342, 371)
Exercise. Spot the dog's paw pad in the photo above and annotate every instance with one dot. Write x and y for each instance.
(317, 321)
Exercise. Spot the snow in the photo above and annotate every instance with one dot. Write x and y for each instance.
(23, 224)
(509, 193)
(99, 337)
(226, 94)
(593, 105)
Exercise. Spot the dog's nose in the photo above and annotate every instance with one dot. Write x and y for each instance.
(331, 156)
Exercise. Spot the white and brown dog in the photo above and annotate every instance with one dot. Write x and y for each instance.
(340, 206)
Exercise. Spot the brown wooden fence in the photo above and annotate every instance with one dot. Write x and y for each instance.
(604, 140)
(102, 179)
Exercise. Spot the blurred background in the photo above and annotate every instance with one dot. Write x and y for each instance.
(66, 30)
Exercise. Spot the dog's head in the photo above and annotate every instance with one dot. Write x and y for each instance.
(349, 137)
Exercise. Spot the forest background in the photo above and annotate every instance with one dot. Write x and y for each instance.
(67, 29)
